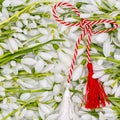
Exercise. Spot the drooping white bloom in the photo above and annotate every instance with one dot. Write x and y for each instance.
(26, 68)
(2, 91)
(1, 51)
(28, 61)
(39, 66)
(117, 93)
(56, 89)
(52, 117)
(45, 56)
(12, 45)
(98, 74)
(44, 110)
(104, 78)
(21, 37)
(25, 96)
(19, 24)
(33, 32)
(24, 84)
(25, 16)
(5, 12)
(107, 48)
(100, 38)
(77, 73)
(6, 3)
(64, 58)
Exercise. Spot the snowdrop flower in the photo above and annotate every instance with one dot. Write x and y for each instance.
(44, 110)
(58, 77)
(25, 96)
(67, 44)
(117, 93)
(2, 91)
(1, 51)
(5, 12)
(76, 99)
(64, 58)
(89, 8)
(86, 117)
(116, 54)
(45, 55)
(27, 83)
(33, 32)
(12, 45)
(48, 68)
(2, 78)
(77, 72)
(32, 25)
(6, 69)
(20, 114)
(101, 38)
(19, 24)
(52, 117)
(17, 29)
(6, 3)
(29, 114)
(21, 36)
(98, 74)
(107, 48)
(26, 68)
(117, 4)
(46, 83)
(28, 61)
(67, 51)
(100, 61)
(58, 98)
(43, 31)
(104, 78)
(108, 83)
(56, 89)
(39, 66)
(25, 16)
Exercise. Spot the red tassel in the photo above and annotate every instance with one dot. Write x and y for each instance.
(95, 96)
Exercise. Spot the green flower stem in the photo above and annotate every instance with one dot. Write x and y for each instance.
(76, 91)
(33, 38)
(9, 56)
(33, 75)
(50, 101)
(16, 90)
(106, 58)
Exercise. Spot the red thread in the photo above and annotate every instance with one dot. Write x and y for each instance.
(95, 94)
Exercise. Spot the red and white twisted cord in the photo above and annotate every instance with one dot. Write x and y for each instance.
(86, 27)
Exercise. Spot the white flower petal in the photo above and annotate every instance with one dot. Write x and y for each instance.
(98, 74)
(39, 66)
(28, 61)
(1, 51)
(107, 48)
(77, 73)
(21, 37)
(64, 58)
(46, 108)
(52, 117)
(104, 78)
(56, 89)
(102, 37)
(45, 55)
(25, 96)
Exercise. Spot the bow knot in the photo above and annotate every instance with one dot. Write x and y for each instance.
(95, 94)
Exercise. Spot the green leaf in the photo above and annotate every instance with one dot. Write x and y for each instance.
(55, 46)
